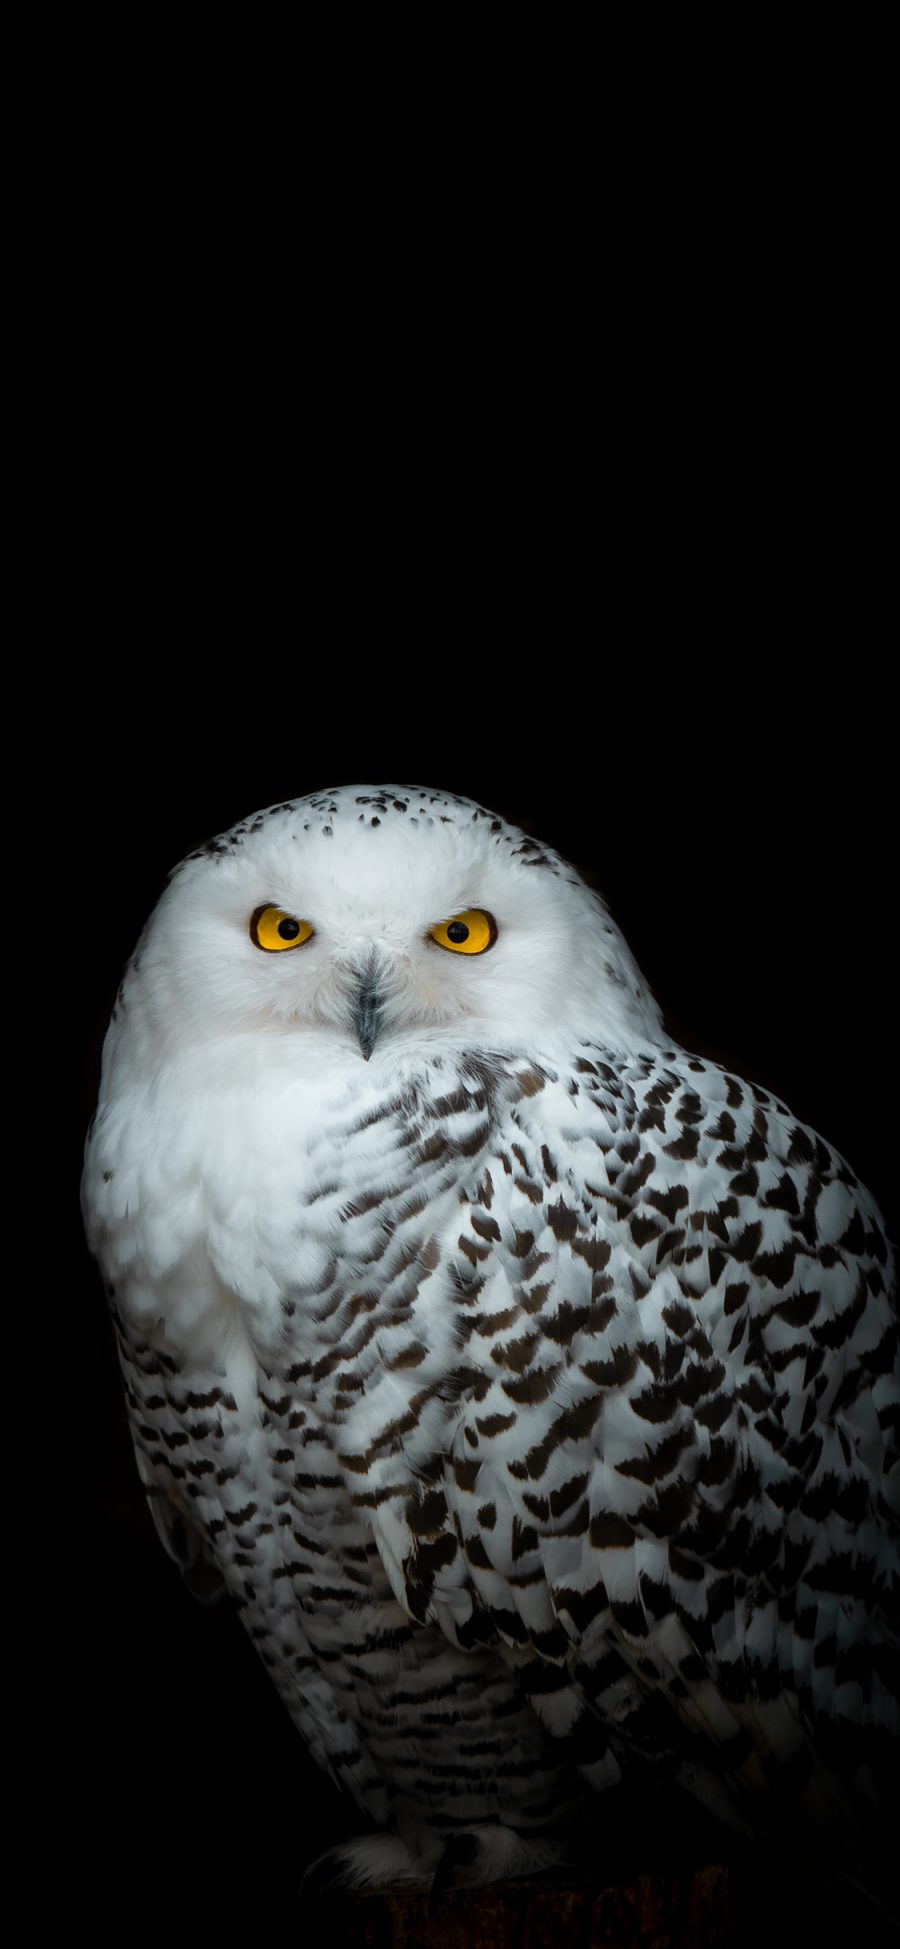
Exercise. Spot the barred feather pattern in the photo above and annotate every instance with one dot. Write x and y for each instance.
(628, 1447)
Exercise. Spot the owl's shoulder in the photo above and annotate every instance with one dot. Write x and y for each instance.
(658, 1132)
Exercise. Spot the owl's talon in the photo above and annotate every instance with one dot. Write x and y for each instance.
(461, 1850)
(322, 1876)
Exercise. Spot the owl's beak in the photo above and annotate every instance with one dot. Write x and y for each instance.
(367, 1012)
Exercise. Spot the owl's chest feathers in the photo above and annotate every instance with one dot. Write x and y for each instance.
(305, 1233)
(315, 1303)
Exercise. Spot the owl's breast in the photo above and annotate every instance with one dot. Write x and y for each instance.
(311, 1211)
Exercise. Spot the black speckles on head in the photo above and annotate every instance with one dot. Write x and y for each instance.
(380, 805)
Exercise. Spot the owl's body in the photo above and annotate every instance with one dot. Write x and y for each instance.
(531, 1384)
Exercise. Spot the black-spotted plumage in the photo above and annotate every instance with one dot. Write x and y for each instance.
(531, 1384)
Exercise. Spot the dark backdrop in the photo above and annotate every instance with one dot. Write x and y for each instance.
(557, 484)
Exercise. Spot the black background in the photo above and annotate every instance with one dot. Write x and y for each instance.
(618, 567)
(531, 449)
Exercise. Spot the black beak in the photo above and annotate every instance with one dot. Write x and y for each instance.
(366, 1014)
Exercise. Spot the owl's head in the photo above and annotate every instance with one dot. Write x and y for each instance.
(372, 924)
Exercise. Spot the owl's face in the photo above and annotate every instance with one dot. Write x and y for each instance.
(372, 923)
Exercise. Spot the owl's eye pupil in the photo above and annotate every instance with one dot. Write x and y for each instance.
(457, 931)
(289, 929)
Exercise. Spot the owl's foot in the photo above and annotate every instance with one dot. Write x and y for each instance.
(467, 1860)
(484, 1854)
(372, 1861)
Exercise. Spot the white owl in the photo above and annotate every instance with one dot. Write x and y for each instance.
(531, 1385)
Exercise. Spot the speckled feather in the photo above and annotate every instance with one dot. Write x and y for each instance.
(533, 1388)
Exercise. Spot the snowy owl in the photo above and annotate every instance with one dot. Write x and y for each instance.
(530, 1384)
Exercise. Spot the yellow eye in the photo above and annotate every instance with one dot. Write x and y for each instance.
(273, 929)
(470, 933)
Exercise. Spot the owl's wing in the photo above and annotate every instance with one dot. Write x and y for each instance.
(671, 1492)
(180, 1536)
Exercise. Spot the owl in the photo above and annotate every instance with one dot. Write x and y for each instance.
(530, 1384)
